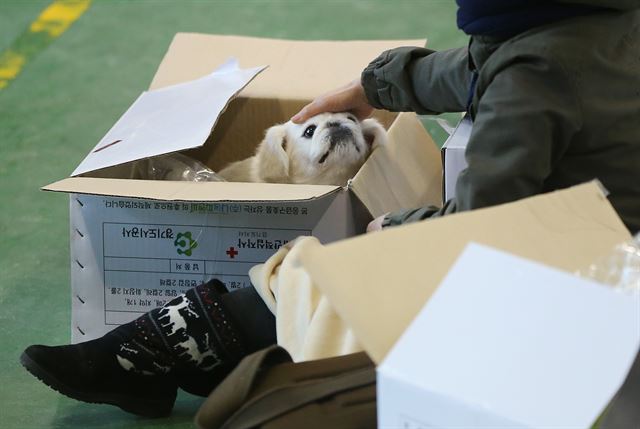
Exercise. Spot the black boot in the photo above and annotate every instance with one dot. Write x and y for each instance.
(89, 372)
(191, 342)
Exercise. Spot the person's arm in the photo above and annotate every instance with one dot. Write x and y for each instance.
(401, 79)
(420, 80)
(526, 118)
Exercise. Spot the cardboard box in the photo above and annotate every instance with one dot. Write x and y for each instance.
(531, 347)
(136, 244)
(567, 229)
(378, 283)
(453, 159)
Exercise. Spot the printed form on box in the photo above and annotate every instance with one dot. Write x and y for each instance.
(506, 342)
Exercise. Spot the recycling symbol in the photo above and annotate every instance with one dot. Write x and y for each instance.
(185, 243)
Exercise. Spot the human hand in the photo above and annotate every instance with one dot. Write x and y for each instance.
(376, 224)
(349, 98)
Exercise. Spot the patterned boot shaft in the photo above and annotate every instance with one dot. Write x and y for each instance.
(190, 334)
(145, 352)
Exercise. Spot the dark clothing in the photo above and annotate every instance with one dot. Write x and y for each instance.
(506, 18)
(252, 317)
(554, 106)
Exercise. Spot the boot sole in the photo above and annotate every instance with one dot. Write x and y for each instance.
(133, 405)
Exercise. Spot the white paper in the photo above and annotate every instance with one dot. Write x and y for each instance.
(505, 341)
(169, 119)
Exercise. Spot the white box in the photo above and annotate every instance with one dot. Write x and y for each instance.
(531, 347)
(132, 255)
(453, 160)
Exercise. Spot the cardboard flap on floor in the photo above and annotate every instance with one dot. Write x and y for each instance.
(378, 282)
(170, 119)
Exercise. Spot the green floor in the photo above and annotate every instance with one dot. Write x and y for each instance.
(65, 99)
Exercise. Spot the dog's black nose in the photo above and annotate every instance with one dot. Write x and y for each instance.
(340, 135)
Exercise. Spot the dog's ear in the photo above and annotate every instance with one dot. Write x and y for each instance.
(271, 163)
(374, 133)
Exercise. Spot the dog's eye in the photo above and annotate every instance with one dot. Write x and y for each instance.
(351, 118)
(308, 133)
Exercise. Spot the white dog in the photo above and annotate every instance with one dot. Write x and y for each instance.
(328, 149)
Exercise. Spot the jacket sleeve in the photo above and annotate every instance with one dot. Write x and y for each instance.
(525, 120)
(410, 79)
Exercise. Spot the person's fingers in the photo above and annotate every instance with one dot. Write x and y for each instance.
(299, 117)
(317, 106)
(332, 104)
(350, 97)
(363, 111)
(302, 115)
(376, 224)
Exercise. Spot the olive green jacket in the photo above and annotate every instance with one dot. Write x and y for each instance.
(555, 106)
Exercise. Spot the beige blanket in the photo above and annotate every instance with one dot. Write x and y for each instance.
(306, 324)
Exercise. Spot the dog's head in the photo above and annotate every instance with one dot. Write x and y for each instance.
(327, 149)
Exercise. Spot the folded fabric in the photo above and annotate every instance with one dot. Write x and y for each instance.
(267, 390)
(306, 324)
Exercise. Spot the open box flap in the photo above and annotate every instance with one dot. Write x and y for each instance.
(191, 191)
(378, 282)
(299, 70)
(406, 173)
(170, 119)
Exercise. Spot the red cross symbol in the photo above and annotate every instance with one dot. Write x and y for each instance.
(232, 252)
